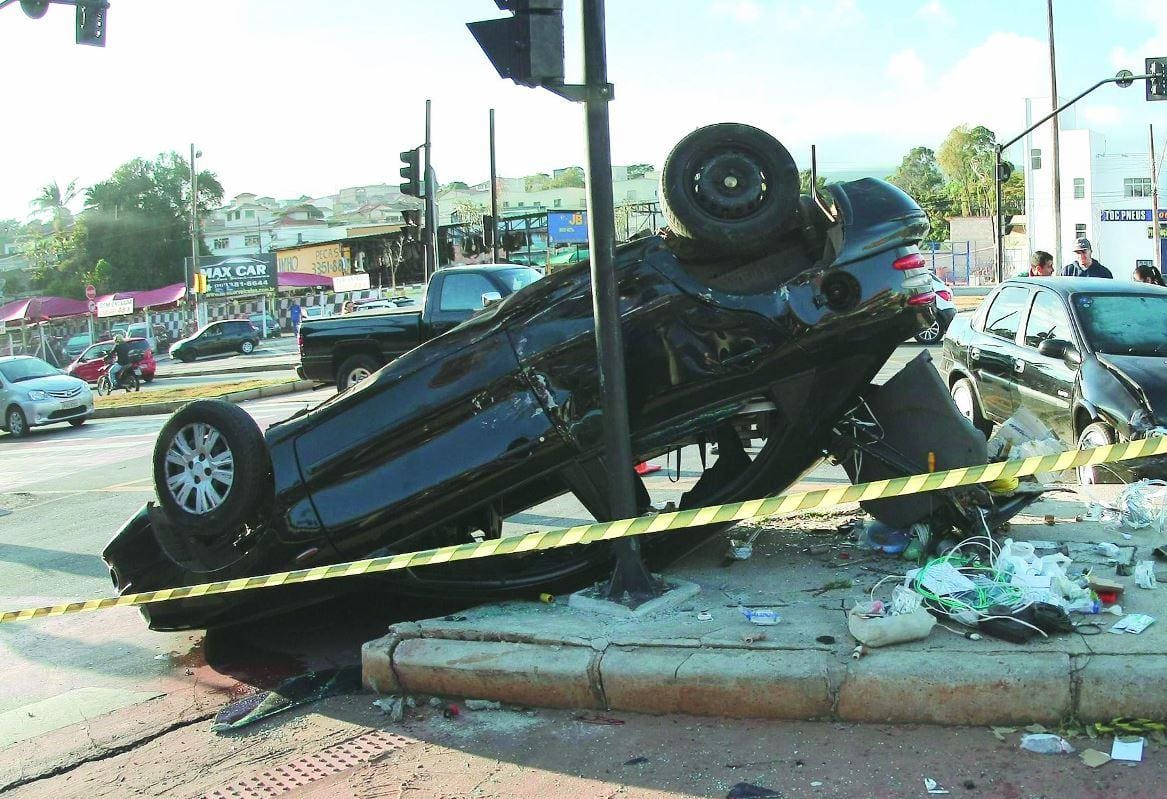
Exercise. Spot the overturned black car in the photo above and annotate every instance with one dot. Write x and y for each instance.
(759, 314)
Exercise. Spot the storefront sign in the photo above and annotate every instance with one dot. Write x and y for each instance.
(238, 275)
(567, 227)
(1132, 215)
(317, 259)
(357, 282)
(115, 307)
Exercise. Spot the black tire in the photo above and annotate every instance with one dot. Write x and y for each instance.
(247, 347)
(1096, 434)
(186, 356)
(964, 396)
(354, 369)
(240, 500)
(15, 423)
(104, 386)
(79, 422)
(149, 379)
(731, 189)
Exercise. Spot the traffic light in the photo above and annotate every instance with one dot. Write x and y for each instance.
(527, 47)
(411, 171)
(412, 222)
(1006, 171)
(1157, 84)
(90, 22)
(35, 8)
(488, 230)
(199, 283)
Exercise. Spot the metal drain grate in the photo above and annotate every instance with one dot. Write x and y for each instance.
(305, 770)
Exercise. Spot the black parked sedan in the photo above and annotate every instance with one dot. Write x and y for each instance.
(1086, 356)
(217, 338)
(760, 315)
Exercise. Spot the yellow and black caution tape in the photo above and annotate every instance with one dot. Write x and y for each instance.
(623, 528)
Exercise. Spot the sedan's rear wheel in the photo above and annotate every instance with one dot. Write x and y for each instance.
(211, 468)
(964, 396)
(354, 370)
(247, 348)
(1098, 434)
(931, 334)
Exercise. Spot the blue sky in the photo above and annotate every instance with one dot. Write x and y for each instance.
(305, 96)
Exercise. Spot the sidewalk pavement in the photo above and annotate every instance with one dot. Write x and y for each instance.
(550, 655)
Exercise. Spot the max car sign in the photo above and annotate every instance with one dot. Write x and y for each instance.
(238, 274)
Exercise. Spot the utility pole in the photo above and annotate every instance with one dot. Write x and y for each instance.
(493, 197)
(194, 231)
(431, 208)
(1155, 229)
(1057, 154)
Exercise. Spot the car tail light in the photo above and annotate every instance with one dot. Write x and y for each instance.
(945, 295)
(912, 261)
(927, 298)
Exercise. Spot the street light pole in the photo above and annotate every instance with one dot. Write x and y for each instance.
(1158, 254)
(1057, 147)
(194, 230)
(1124, 79)
(493, 197)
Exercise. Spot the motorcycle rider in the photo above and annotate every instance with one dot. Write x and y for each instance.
(120, 357)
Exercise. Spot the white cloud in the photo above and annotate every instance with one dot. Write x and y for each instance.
(934, 12)
(906, 67)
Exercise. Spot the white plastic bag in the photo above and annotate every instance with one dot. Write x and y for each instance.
(1045, 743)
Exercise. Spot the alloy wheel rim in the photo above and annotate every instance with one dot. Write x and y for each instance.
(963, 401)
(358, 374)
(200, 468)
(1087, 475)
(932, 333)
(15, 423)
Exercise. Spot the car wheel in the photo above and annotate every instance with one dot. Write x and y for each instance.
(964, 396)
(211, 468)
(15, 422)
(1097, 434)
(247, 347)
(148, 378)
(730, 189)
(930, 335)
(354, 370)
(79, 422)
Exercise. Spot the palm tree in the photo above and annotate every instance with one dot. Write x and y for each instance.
(55, 200)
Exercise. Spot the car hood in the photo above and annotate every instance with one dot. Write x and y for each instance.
(50, 383)
(186, 340)
(1145, 372)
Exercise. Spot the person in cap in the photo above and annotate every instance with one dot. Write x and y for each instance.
(1085, 266)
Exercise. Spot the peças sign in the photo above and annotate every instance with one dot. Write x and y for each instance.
(237, 275)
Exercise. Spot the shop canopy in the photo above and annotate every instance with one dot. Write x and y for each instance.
(302, 280)
(152, 298)
(40, 309)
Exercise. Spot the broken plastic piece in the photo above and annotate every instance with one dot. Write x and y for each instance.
(1145, 574)
(932, 786)
(1046, 744)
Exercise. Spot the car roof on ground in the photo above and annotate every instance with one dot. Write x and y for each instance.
(1086, 285)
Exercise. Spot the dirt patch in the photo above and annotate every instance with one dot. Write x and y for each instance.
(122, 399)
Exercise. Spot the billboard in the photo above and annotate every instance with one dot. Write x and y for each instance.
(567, 227)
(331, 258)
(236, 275)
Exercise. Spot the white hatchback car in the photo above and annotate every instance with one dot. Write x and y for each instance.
(33, 393)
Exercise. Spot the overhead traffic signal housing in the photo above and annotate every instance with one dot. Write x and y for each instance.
(411, 172)
(1006, 171)
(90, 22)
(199, 283)
(35, 8)
(527, 47)
(1157, 83)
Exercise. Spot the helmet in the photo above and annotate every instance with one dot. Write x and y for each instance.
(119, 336)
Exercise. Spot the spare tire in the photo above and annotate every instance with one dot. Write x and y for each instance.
(211, 468)
(731, 189)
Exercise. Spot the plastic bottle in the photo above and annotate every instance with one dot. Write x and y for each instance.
(1085, 604)
(1046, 744)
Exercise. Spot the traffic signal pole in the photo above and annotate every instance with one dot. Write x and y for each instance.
(431, 208)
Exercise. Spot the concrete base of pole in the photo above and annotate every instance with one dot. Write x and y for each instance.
(594, 600)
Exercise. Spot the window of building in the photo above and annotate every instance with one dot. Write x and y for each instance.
(1080, 231)
(558, 202)
(1136, 187)
(221, 244)
(631, 195)
(1079, 188)
(251, 240)
(506, 204)
(249, 214)
(1035, 159)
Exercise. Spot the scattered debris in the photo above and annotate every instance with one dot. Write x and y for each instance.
(763, 617)
(704, 616)
(859, 651)
(482, 704)
(1129, 749)
(636, 761)
(587, 718)
(833, 585)
(393, 706)
(826, 639)
(932, 786)
(1134, 623)
(1145, 574)
(1000, 732)
(1046, 744)
(745, 790)
(1093, 758)
(870, 625)
(291, 693)
(753, 638)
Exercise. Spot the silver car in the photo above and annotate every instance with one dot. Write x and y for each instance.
(33, 393)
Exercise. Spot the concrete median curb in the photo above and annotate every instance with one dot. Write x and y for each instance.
(169, 406)
(163, 374)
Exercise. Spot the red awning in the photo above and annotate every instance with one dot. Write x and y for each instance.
(302, 280)
(38, 309)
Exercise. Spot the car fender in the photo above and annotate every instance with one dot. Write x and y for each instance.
(1101, 393)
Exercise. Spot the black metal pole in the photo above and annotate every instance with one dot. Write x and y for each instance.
(630, 575)
(997, 210)
(493, 196)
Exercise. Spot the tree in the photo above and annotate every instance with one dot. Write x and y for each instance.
(639, 170)
(53, 200)
(804, 183)
(572, 177)
(456, 184)
(919, 175)
(139, 220)
(967, 157)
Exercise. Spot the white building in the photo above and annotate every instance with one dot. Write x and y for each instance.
(1106, 195)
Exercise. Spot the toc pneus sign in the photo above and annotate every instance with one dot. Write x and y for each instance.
(1132, 215)
(238, 274)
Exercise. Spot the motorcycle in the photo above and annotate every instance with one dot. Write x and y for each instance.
(130, 377)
